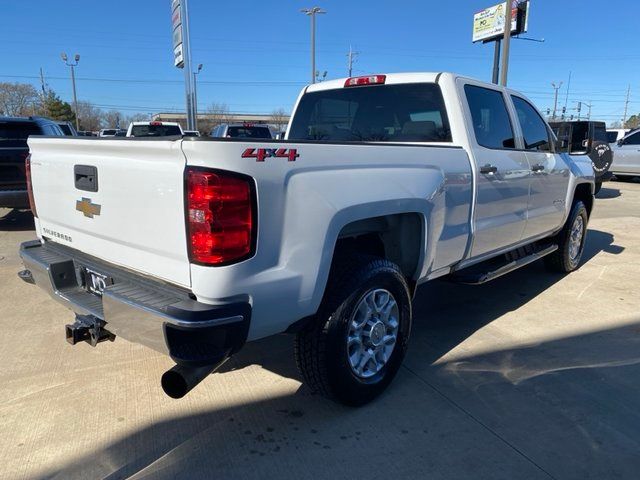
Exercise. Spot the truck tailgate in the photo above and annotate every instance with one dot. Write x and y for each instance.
(134, 219)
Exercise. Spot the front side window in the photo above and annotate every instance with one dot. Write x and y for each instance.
(490, 117)
(534, 129)
(633, 139)
(377, 113)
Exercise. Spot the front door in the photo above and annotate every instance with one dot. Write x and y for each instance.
(549, 172)
(502, 172)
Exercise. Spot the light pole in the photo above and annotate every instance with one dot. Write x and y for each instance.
(195, 97)
(73, 81)
(312, 12)
(555, 99)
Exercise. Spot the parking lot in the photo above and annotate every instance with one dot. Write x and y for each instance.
(535, 375)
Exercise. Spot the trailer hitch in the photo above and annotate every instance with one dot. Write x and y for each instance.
(88, 328)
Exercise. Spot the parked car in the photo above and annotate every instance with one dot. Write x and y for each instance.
(68, 129)
(626, 161)
(14, 132)
(590, 139)
(383, 183)
(615, 134)
(243, 130)
(154, 129)
(121, 133)
(191, 133)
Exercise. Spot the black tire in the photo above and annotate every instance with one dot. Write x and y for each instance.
(321, 350)
(598, 188)
(561, 260)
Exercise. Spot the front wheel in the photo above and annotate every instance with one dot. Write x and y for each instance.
(356, 345)
(571, 240)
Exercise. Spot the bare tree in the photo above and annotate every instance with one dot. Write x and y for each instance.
(18, 99)
(279, 118)
(217, 113)
(90, 116)
(111, 119)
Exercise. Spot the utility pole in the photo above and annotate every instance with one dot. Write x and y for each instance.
(555, 99)
(44, 92)
(496, 62)
(626, 106)
(566, 98)
(351, 56)
(195, 97)
(507, 43)
(312, 12)
(73, 82)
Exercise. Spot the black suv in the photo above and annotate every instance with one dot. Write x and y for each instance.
(14, 132)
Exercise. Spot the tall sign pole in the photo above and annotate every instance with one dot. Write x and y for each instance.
(182, 53)
(507, 44)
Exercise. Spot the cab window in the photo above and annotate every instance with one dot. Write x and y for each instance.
(534, 128)
(491, 123)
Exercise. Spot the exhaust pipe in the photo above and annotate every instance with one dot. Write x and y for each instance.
(180, 380)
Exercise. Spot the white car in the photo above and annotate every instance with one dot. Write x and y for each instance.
(154, 129)
(626, 156)
(194, 247)
(615, 134)
(107, 132)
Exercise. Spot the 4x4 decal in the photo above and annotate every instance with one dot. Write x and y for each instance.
(260, 154)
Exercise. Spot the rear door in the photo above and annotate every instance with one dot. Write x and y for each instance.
(118, 200)
(550, 172)
(502, 171)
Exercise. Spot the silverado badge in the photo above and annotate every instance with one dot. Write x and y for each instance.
(87, 207)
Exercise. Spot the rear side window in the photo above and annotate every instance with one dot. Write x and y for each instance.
(378, 113)
(154, 130)
(600, 132)
(248, 132)
(491, 122)
(17, 131)
(612, 137)
(534, 129)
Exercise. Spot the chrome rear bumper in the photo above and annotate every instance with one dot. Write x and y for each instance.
(139, 309)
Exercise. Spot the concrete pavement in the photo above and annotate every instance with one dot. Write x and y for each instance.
(532, 376)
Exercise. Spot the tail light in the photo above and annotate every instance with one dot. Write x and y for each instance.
(27, 171)
(368, 80)
(220, 216)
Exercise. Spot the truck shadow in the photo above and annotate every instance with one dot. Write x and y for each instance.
(571, 403)
(606, 193)
(16, 220)
(430, 409)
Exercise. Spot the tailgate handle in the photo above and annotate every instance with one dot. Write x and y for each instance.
(86, 177)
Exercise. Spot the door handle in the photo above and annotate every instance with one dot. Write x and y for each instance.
(488, 169)
(537, 168)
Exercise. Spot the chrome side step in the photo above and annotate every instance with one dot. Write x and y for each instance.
(514, 260)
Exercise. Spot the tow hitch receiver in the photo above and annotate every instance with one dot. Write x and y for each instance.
(88, 328)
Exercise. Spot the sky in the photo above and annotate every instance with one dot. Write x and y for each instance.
(255, 54)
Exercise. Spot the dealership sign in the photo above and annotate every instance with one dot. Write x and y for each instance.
(176, 25)
(489, 23)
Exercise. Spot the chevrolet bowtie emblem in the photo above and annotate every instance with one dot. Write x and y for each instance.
(88, 208)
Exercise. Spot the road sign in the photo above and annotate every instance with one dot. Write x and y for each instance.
(488, 24)
(176, 24)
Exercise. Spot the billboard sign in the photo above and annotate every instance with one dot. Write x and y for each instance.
(488, 24)
(176, 25)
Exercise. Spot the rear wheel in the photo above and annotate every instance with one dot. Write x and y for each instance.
(570, 241)
(356, 345)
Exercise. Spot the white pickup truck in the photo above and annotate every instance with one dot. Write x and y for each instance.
(194, 246)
